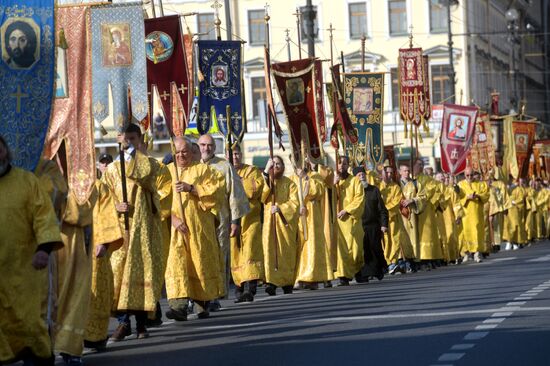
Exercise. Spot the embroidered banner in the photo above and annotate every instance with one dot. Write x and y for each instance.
(457, 129)
(71, 119)
(524, 137)
(220, 87)
(427, 93)
(342, 122)
(364, 95)
(300, 87)
(118, 47)
(167, 65)
(481, 157)
(26, 76)
(412, 93)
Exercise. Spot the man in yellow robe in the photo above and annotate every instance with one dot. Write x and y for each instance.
(531, 206)
(231, 210)
(328, 209)
(440, 207)
(349, 208)
(398, 249)
(498, 207)
(430, 245)
(313, 258)
(473, 196)
(414, 201)
(514, 226)
(28, 234)
(137, 266)
(194, 267)
(247, 256)
(452, 224)
(542, 198)
(279, 240)
(106, 237)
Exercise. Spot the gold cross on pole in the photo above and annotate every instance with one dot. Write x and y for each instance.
(19, 95)
(164, 95)
(411, 36)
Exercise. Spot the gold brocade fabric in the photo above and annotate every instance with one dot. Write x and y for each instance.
(137, 266)
(350, 230)
(440, 207)
(247, 258)
(530, 219)
(71, 118)
(514, 222)
(430, 245)
(541, 199)
(285, 248)
(28, 220)
(194, 268)
(474, 220)
(164, 188)
(451, 232)
(313, 256)
(328, 208)
(396, 239)
(413, 190)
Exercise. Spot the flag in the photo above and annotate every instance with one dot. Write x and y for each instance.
(118, 47)
(220, 87)
(26, 77)
(71, 119)
(167, 69)
(427, 93)
(457, 129)
(363, 96)
(271, 113)
(300, 87)
(524, 137)
(510, 162)
(413, 104)
(481, 157)
(342, 122)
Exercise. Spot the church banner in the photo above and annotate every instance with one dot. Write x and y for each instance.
(118, 47)
(300, 87)
(427, 93)
(524, 137)
(342, 121)
(457, 130)
(71, 119)
(364, 98)
(167, 65)
(220, 87)
(26, 76)
(413, 105)
(273, 122)
(482, 153)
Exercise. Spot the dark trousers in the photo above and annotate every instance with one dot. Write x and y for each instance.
(141, 318)
(375, 262)
(248, 286)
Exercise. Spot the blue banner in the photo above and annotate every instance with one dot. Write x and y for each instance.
(26, 76)
(118, 46)
(220, 86)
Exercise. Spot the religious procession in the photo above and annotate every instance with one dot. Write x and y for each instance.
(89, 237)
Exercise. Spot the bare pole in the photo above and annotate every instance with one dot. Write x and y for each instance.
(153, 10)
(161, 8)
(228, 24)
(363, 39)
(287, 39)
(298, 15)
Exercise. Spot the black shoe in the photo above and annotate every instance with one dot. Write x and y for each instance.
(380, 276)
(98, 346)
(71, 360)
(203, 315)
(361, 279)
(271, 290)
(327, 284)
(343, 282)
(246, 297)
(177, 315)
(214, 306)
(287, 289)
(142, 332)
(153, 323)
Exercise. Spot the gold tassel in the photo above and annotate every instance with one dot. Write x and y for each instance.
(406, 132)
(426, 126)
(62, 43)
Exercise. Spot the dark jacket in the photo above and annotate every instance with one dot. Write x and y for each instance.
(375, 211)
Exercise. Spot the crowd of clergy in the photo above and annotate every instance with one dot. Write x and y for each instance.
(198, 223)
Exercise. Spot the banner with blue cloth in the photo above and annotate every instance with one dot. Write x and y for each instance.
(26, 76)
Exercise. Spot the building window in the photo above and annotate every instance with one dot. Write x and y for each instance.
(258, 93)
(256, 27)
(303, 28)
(438, 16)
(394, 88)
(206, 25)
(398, 17)
(357, 20)
(441, 83)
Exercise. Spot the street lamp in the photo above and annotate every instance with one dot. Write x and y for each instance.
(512, 16)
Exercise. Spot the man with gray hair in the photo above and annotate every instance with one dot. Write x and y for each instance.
(234, 206)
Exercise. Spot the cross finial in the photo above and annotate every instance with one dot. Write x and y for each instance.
(287, 38)
(266, 16)
(298, 13)
(411, 36)
(330, 29)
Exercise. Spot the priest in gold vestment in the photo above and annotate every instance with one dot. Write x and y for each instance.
(514, 224)
(414, 199)
(193, 270)
(28, 234)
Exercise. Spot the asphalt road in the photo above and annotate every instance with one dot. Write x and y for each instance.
(492, 313)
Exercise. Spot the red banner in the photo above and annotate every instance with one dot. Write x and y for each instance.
(342, 121)
(457, 130)
(166, 64)
(428, 101)
(300, 87)
(412, 93)
(482, 154)
(524, 136)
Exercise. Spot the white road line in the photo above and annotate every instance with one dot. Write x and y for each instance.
(516, 303)
(523, 297)
(503, 259)
(540, 259)
(462, 347)
(451, 356)
(493, 320)
(475, 335)
(505, 314)
(486, 327)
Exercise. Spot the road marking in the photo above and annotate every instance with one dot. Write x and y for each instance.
(486, 326)
(494, 320)
(451, 356)
(516, 303)
(523, 297)
(545, 258)
(505, 314)
(475, 335)
(462, 347)
(503, 259)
